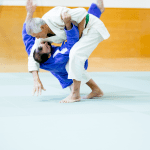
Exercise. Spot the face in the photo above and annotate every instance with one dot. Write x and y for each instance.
(46, 48)
(43, 33)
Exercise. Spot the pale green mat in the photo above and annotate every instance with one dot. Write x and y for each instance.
(120, 120)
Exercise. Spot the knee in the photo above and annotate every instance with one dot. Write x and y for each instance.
(75, 56)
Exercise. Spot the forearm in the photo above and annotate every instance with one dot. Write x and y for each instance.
(72, 37)
(35, 75)
(68, 25)
(29, 16)
(30, 9)
(81, 27)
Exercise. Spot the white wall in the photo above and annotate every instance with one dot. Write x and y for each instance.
(83, 3)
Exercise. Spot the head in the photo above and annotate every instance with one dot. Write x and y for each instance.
(37, 27)
(43, 52)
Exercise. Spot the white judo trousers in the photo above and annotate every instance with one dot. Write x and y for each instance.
(80, 52)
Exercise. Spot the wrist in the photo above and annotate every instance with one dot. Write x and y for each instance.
(68, 26)
(29, 16)
(29, 13)
(35, 75)
(36, 78)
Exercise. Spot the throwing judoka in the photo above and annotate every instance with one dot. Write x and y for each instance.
(92, 30)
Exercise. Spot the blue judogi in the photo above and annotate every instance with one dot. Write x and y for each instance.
(59, 55)
(94, 10)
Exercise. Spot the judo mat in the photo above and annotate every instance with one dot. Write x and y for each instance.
(120, 120)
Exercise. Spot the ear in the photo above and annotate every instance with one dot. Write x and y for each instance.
(49, 55)
(42, 27)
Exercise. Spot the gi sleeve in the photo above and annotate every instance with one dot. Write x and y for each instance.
(72, 36)
(28, 40)
(32, 64)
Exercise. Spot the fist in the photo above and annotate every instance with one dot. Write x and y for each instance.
(66, 17)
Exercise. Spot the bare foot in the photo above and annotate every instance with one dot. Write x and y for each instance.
(70, 99)
(75, 93)
(100, 4)
(94, 93)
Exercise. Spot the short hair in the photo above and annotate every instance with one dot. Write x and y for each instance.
(34, 25)
(41, 57)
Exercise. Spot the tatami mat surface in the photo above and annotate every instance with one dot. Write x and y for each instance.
(120, 120)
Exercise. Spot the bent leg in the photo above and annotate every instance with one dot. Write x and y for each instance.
(80, 53)
(75, 93)
(96, 91)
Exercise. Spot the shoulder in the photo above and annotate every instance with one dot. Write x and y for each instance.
(56, 11)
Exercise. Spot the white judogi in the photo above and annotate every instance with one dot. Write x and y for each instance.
(93, 34)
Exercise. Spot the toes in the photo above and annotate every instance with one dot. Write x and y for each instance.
(69, 101)
(100, 95)
(62, 101)
(84, 97)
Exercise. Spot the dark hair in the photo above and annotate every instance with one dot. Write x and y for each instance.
(41, 57)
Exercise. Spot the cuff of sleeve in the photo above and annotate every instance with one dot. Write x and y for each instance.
(32, 68)
(71, 32)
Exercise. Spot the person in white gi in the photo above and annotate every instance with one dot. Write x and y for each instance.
(91, 33)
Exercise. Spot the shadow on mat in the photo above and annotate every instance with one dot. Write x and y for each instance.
(57, 98)
(51, 98)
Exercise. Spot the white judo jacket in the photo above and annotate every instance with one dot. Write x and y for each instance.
(56, 24)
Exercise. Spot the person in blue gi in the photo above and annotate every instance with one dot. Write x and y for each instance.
(55, 59)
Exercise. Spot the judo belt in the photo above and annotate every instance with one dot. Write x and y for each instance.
(87, 20)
